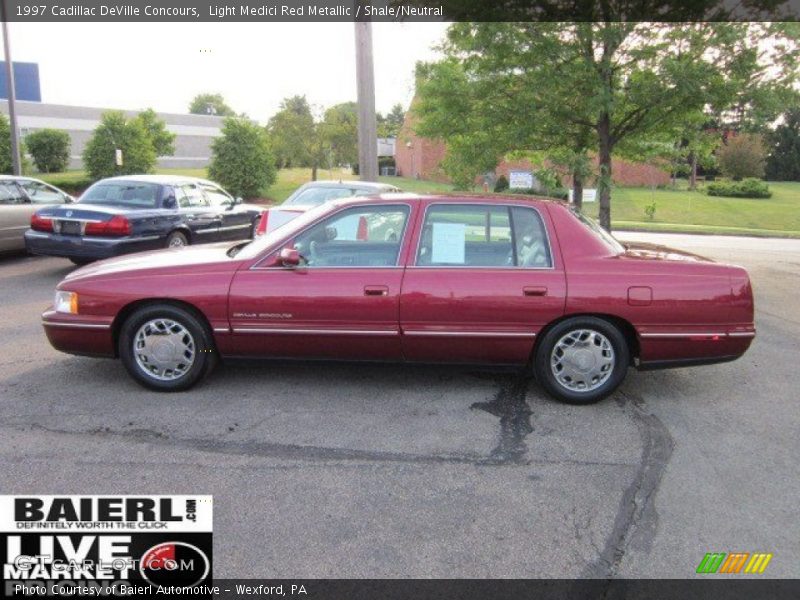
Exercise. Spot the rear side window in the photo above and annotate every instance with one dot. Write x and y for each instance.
(473, 235)
(10, 194)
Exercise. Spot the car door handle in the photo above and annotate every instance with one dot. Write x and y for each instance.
(535, 291)
(376, 290)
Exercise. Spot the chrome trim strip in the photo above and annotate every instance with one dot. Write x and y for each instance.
(315, 331)
(412, 262)
(684, 334)
(742, 334)
(75, 325)
(423, 333)
(37, 234)
(406, 228)
(222, 330)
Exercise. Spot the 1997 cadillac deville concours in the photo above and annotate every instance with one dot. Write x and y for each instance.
(398, 277)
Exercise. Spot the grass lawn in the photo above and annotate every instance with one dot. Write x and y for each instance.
(677, 210)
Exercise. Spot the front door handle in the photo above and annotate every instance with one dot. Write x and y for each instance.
(535, 291)
(376, 290)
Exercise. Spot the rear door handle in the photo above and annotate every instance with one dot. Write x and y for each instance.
(535, 291)
(376, 290)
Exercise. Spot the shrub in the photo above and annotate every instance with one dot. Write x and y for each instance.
(163, 140)
(69, 183)
(242, 159)
(6, 164)
(501, 185)
(49, 149)
(650, 211)
(743, 156)
(129, 135)
(748, 188)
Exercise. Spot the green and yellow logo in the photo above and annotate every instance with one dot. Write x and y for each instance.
(732, 563)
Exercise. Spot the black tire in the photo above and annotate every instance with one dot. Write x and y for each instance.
(81, 261)
(560, 391)
(177, 239)
(204, 356)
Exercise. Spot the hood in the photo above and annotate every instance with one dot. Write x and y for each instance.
(194, 258)
(644, 251)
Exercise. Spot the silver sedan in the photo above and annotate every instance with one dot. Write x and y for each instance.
(20, 197)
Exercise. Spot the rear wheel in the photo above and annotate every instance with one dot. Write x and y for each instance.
(166, 348)
(581, 360)
(177, 239)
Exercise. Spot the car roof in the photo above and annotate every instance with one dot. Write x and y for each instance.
(18, 178)
(451, 199)
(160, 179)
(363, 185)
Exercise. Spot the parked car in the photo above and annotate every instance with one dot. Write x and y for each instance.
(467, 280)
(313, 194)
(133, 213)
(20, 197)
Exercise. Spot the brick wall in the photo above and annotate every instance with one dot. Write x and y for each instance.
(420, 158)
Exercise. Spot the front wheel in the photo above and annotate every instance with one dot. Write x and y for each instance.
(166, 348)
(581, 360)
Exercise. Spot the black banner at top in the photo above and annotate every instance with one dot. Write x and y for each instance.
(400, 10)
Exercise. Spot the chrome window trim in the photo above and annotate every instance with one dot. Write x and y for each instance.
(257, 267)
(552, 266)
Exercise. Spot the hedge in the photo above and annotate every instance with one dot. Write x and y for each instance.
(747, 188)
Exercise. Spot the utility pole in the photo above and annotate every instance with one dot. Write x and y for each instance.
(12, 109)
(367, 127)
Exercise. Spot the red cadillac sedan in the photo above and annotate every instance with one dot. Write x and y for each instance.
(476, 280)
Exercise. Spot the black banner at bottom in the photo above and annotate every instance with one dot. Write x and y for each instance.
(428, 589)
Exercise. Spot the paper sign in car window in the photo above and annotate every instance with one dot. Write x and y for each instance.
(449, 241)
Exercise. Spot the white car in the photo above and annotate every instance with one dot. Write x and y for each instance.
(313, 194)
(20, 197)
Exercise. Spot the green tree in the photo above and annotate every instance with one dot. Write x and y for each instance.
(242, 160)
(297, 138)
(210, 104)
(390, 124)
(49, 149)
(339, 131)
(609, 83)
(117, 132)
(742, 156)
(163, 141)
(783, 162)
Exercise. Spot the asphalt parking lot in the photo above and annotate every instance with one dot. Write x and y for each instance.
(385, 471)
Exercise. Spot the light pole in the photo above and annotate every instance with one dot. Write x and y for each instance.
(367, 127)
(12, 110)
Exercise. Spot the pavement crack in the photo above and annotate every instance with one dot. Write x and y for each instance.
(636, 519)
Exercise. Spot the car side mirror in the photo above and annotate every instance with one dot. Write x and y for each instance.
(170, 202)
(290, 257)
(69, 199)
(237, 200)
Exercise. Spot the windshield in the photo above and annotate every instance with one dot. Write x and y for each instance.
(314, 196)
(287, 231)
(126, 194)
(607, 238)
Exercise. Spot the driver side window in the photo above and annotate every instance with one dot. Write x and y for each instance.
(364, 236)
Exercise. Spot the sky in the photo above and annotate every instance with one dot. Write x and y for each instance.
(253, 65)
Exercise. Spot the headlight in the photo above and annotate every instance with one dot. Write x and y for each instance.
(66, 302)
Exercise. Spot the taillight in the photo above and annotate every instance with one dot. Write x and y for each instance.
(41, 223)
(262, 223)
(117, 226)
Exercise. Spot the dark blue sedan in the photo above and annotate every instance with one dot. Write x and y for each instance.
(133, 213)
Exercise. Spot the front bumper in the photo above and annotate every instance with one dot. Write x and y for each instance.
(76, 334)
(93, 248)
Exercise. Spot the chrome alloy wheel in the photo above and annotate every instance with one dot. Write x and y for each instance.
(582, 360)
(176, 241)
(164, 349)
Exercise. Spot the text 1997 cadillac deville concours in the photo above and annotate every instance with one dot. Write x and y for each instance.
(479, 280)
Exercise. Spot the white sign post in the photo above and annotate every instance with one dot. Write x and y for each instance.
(520, 180)
(589, 195)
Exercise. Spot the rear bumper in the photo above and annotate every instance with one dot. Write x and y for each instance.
(75, 334)
(669, 349)
(97, 248)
